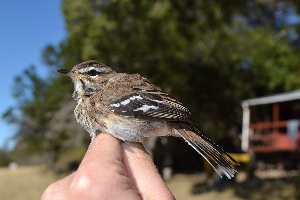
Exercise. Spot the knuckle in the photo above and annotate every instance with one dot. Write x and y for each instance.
(51, 192)
(81, 182)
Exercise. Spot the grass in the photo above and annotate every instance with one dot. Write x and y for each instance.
(273, 185)
(194, 187)
(26, 183)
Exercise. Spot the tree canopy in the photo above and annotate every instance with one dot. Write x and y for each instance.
(209, 54)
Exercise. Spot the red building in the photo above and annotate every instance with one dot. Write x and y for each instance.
(271, 123)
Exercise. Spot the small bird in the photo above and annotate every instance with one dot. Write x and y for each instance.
(131, 108)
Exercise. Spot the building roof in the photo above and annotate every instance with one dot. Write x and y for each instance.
(282, 97)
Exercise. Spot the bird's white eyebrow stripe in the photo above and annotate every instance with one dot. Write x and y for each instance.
(86, 69)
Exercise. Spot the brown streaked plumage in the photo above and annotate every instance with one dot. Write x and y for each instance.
(131, 108)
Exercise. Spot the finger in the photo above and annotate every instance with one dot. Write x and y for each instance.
(103, 153)
(103, 150)
(102, 170)
(143, 173)
(101, 175)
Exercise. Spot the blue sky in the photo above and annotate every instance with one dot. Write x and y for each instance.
(26, 27)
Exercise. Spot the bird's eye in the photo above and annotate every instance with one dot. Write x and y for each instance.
(93, 72)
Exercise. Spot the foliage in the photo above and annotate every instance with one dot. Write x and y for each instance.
(208, 54)
(207, 47)
(5, 158)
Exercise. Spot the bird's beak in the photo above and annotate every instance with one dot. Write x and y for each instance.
(69, 73)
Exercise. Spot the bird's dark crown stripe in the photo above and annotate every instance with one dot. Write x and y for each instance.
(89, 63)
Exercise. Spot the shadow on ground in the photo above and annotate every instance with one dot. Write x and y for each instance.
(256, 189)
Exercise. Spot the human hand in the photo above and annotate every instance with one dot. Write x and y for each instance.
(111, 170)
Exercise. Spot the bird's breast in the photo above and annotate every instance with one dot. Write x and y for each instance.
(133, 129)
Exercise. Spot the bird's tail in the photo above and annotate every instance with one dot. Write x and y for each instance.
(209, 150)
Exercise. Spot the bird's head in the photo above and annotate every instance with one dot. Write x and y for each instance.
(88, 77)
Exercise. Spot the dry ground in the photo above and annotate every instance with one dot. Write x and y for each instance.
(26, 183)
(194, 187)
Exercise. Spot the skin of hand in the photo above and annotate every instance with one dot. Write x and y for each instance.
(111, 170)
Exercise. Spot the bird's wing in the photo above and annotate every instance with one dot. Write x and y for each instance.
(150, 104)
(154, 104)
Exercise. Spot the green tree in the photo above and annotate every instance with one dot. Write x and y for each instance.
(208, 54)
(196, 50)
